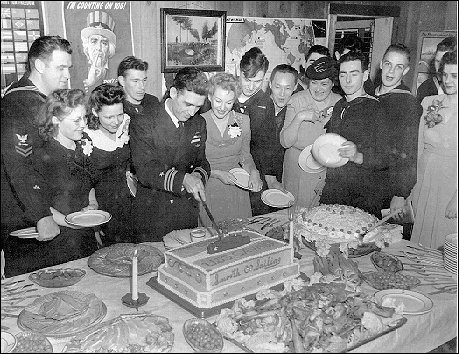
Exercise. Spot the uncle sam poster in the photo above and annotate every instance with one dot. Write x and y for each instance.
(101, 37)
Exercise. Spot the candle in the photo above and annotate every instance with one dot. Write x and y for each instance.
(291, 233)
(134, 293)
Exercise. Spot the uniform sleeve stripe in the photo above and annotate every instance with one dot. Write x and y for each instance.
(169, 180)
(202, 172)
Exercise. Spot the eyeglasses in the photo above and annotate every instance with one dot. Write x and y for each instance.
(78, 121)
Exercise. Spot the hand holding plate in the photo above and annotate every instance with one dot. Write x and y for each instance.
(255, 182)
(224, 176)
(349, 150)
(47, 229)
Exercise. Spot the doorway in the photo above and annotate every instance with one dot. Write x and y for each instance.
(372, 24)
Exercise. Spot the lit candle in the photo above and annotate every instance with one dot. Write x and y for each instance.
(134, 293)
(291, 234)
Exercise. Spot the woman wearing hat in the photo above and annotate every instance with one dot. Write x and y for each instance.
(307, 113)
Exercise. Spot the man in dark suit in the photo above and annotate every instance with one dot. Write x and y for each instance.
(168, 141)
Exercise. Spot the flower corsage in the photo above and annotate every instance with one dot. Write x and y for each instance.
(87, 146)
(234, 130)
(432, 118)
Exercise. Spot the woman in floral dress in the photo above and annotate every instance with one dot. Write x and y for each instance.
(108, 128)
(435, 193)
(227, 147)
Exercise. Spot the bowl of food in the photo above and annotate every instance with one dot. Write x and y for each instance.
(28, 342)
(202, 336)
(57, 278)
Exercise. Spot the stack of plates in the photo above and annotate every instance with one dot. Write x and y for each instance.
(451, 253)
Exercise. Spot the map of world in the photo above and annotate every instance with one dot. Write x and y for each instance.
(283, 41)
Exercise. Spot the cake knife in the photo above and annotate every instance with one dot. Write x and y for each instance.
(219, 231)
(380, 222)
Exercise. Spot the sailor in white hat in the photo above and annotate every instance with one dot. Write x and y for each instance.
(99, 44)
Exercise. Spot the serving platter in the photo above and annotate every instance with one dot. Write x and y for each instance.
(116, 260)
(62, 314)
(57, 278)
(133, 333)
(414, 303)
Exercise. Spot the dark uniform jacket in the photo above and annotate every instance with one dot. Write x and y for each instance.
(403, 115)
(65, 178)
(22, 206)
(265, 146)
(362, 121)
(264, 143)
(162, 154)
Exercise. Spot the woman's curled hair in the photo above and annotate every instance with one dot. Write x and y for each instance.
(59, 104)
(102, 95)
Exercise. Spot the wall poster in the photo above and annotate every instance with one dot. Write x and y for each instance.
(101, 36)
(427, 46)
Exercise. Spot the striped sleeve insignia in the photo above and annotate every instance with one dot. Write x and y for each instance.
(169, 179)
(196, 140)
(22, 147)
(203, 173)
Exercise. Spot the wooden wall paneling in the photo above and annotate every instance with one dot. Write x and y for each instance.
(278, 9)
(232, 8)
(451, 16)
(250, 9)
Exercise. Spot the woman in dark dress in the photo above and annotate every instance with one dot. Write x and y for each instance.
(108, 128)
(64, 182)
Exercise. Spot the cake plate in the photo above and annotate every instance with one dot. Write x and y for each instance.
(204, 312)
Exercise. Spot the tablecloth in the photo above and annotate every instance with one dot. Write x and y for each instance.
(421, 333)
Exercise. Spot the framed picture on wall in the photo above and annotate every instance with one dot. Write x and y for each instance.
(427, 46)
(195, 38)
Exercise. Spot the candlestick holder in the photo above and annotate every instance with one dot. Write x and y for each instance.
(127, 300)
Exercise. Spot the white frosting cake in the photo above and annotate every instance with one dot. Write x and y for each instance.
(209, 280)
(330, 224)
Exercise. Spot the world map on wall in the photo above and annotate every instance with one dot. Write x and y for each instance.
(283, 41)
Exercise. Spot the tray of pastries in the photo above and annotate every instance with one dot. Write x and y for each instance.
(61, 314)
(130, 333)
(57, 278)
(116, 260)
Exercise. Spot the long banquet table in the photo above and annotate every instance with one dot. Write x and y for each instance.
(421, 333)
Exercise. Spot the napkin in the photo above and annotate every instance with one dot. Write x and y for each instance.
(178, 238)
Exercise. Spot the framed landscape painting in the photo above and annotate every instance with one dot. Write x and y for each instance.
(195, 38)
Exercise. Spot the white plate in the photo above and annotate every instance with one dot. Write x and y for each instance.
(242, 177)
(325, 150)
(30, 232)
(8, 342)
(88, 218)
(276, 198)
(307, 162)
(414, 303)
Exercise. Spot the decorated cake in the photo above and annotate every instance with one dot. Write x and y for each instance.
(341, 224)
(209, 280)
